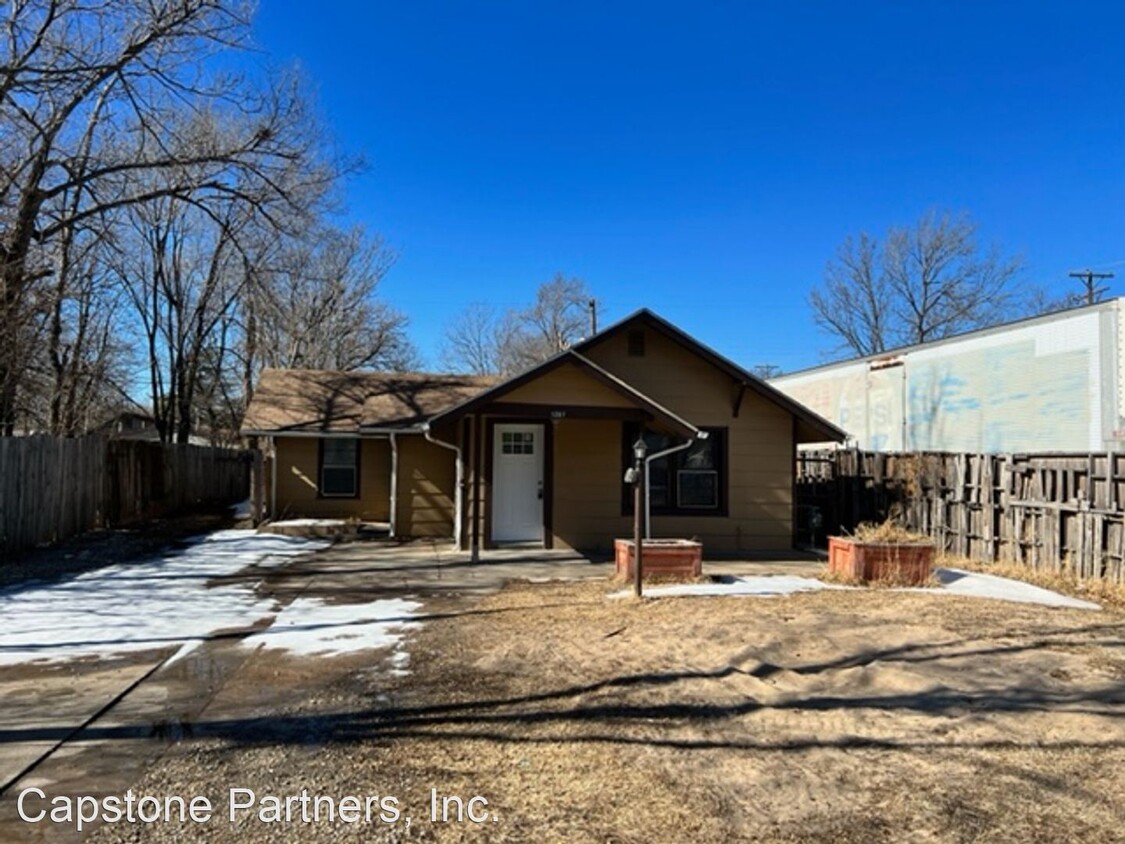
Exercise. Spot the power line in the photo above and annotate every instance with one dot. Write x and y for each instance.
(1089, 279)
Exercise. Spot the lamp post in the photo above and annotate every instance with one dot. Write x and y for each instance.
(640, 449)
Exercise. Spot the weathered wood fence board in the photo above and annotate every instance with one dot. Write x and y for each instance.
(52, 488)
(1045, 511)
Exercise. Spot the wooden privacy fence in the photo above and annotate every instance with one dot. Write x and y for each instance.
(52, 488)
(1045, 511)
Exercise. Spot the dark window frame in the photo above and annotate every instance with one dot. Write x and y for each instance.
(320, 467)
(718, 436)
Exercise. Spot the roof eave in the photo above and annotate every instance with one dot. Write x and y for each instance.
(666, 416)
(725, 364)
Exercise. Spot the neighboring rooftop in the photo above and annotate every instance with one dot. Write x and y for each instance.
(1052, 316)
(314, 400)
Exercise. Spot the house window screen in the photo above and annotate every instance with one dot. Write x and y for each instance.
(339, 468)
(517, 442)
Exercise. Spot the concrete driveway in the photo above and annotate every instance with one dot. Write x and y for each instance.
(82, 719)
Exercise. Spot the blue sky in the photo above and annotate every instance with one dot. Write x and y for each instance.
(706, 159)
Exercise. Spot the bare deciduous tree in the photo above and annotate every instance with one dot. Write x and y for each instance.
(922, 283)
(86, 359)
(318, 308)
(108, 105)
(181, 271)
(474, 341)
(482, 341)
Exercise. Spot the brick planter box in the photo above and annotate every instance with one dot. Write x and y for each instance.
(663, 558)
(906, 563)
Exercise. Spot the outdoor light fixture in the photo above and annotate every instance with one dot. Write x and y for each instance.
(640, 449)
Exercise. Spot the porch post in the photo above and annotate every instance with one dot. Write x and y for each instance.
(478, 467)
(465, 443)
(394, 484)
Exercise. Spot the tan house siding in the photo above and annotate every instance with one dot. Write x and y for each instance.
(760, 444)
(426, 480)
(567, 385)
(298, 480)
(670, 375)
(588, 484)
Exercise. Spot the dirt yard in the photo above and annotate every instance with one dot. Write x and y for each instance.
(828, 716)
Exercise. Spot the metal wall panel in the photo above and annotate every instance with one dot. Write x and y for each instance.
(1030, 386)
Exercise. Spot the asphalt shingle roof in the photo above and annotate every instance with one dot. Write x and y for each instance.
(313, 400)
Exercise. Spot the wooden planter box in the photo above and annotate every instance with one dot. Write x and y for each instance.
(663, 558)
(906, 563)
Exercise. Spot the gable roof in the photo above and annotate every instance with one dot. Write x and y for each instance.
(323, 401)
(570, 356)
(811, 426)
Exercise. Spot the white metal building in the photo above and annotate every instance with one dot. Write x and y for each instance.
(1049, 383)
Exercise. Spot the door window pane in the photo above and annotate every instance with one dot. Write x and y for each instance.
(517, 442)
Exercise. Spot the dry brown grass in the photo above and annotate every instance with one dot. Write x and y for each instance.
(819, 717)
(886, 581)
(889, 531)
(865, 716)
(1063, 580)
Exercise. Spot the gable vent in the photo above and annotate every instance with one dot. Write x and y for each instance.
(636, 344)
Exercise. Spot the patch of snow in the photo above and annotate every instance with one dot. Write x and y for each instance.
(242, 510)
(953, 582)
(308, 626)
(144, 606)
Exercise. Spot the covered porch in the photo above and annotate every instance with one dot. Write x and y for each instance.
(539, 458)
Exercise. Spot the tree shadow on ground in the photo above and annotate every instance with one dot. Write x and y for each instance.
(524, 717)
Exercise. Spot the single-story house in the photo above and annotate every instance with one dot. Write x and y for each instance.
(540, 458)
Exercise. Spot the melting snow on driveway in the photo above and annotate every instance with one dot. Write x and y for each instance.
(308, 626)
(953, 582)
(173, 601)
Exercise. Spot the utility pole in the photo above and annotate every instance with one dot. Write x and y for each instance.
(1089, 279)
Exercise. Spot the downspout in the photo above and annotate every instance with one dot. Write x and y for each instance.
(700, 435)
(394, 484)
(273, 480)
(458, 502)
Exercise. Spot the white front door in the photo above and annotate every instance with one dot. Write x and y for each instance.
(517, 483)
